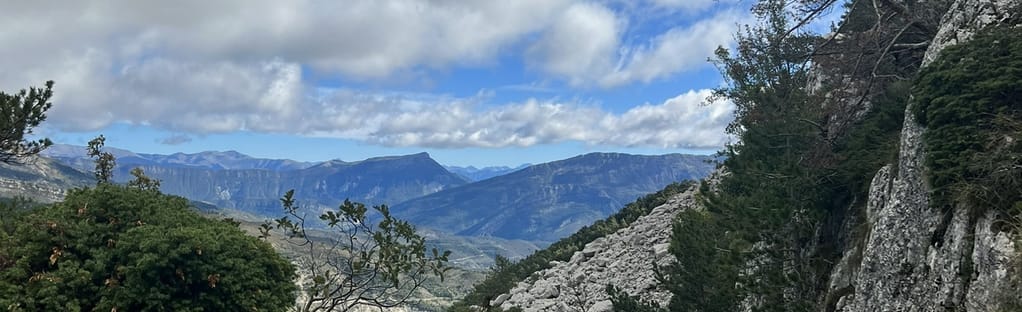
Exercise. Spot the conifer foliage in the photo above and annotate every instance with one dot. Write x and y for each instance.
(19, 114)
(117, 248)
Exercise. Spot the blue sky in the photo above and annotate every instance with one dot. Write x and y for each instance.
(471, 82)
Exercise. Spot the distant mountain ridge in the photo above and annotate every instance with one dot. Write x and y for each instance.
(548, 201)
(538, 203)
(473, 174)
(238, 181)
(383, 180)
(228, 160)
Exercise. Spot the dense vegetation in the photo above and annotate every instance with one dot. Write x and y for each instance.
(124, 248)
(770, 231)
(772, 226)
(506, 273)
(970, 101)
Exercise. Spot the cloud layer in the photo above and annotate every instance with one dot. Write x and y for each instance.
(223, 66)
(680, 122)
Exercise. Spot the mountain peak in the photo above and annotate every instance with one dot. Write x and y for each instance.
(416, 156)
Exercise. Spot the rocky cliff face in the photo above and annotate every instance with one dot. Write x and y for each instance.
(624, 259)
(911, 257)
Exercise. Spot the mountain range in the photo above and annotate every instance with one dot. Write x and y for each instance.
(474, 174)
(535, 203)
(230, 160)
(237, 181)
(548, 201)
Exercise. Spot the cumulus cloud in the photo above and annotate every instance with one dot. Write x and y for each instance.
(584, 47)
(359, 38)
(271, 97)
(579, 44)
(677, 50)
(679, 122)
(212, 67)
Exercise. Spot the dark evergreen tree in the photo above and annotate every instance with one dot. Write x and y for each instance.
(21, 113)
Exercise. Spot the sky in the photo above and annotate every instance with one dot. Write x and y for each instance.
(477, 83)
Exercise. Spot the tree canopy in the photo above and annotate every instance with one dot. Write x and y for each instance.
(19, 114)
(113, 248)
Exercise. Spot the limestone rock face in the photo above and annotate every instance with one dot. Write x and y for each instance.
(912, 259)
(624, 259)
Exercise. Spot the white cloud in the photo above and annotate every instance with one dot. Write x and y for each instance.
(197, 67)
(579, 44)
(677, 50)
(271, 97)
(360, 38)
(584, 47)
(679, 122)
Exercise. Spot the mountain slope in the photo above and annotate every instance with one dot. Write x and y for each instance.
(237, 181)
(624, 258)
(384, 180)
(549, 201)
(76, 157)
(474, 174)
(40, 179)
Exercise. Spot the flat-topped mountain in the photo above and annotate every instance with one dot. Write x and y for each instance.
(254, 185)
(383, 180)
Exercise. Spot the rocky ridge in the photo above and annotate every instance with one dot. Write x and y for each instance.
(905, 262)
(624, 259)
(39, 179)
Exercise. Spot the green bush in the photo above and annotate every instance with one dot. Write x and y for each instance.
(119, 248)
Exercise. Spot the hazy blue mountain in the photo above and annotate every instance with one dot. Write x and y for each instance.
(473, 174)
(548, 201)
(237, 181)
(538, 203)
(383, 180)
(75, 156)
